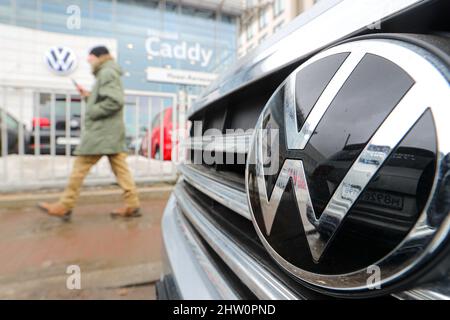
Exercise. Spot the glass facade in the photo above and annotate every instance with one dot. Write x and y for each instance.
(148, 33)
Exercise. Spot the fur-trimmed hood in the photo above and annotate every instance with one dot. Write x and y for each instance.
(106, 60)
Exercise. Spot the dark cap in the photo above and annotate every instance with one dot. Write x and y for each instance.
(99, 51)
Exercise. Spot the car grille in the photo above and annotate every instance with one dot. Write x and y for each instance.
(232, 238)
(212, 198)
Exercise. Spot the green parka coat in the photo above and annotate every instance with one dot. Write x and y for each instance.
(104, 128)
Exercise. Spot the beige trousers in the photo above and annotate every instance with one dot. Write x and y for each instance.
(120, 168)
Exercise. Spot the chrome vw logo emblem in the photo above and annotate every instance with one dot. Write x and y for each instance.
(61, 60)
(358, 157)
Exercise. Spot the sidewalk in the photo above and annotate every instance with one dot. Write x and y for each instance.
(34, 172)
(118, 258)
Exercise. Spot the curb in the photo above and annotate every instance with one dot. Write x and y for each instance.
(118, 277)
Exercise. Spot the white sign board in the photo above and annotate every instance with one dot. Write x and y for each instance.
(180, 76)
(23, 57)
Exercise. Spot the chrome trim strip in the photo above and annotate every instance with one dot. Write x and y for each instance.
(305, 35)
(254, 275)
(195, 273)
(435, 291)
(421, 294)
(228, 143)
(208, 265)
(230, 197)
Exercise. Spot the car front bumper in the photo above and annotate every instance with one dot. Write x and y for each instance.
(189, 271)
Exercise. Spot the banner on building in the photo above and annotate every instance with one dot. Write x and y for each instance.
(177, 76)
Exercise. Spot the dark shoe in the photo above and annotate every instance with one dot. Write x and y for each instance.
(55, 210)
(126, 212)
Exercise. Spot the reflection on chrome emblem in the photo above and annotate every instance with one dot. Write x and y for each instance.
(371, 159)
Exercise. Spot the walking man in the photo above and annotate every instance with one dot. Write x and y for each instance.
(103, 135)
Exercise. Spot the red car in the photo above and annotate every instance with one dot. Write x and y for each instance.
(160, 139)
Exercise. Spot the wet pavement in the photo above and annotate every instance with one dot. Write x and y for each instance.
(118, 259)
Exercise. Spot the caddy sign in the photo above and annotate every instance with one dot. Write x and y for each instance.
(194, 53)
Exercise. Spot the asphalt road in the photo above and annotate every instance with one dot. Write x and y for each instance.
(118, 259)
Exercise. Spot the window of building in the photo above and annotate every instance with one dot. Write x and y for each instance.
(241, 40)
(262, 38)
(263, 18)
(249, 31)
(278, 26)
(11, 123)
(226, 18)
(278, 7)
(60, 106)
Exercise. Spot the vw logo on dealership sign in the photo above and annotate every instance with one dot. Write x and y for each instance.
(61, 60)
(351, 181)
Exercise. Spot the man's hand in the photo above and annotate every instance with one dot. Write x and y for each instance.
(83, 92)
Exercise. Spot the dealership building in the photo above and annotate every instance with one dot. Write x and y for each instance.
(169, 51)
